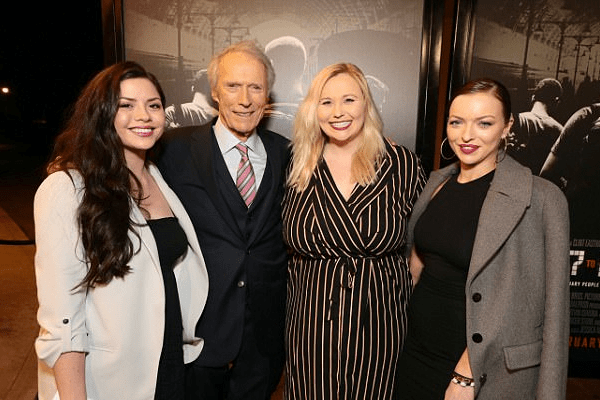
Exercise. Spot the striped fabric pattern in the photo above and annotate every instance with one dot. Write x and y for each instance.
(348, 283)
(245, 176)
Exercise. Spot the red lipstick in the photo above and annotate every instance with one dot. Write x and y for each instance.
(468, 148)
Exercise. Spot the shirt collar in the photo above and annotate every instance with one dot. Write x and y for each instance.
(228, 140)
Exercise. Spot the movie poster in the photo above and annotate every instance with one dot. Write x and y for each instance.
(548, 55)
(175, 39)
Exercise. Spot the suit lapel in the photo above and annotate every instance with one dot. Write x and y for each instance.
(265, 187)
(264, 197)
(504, 205)
(274, 155)
(205, 149)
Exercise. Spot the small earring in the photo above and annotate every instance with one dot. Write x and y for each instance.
(442, 150)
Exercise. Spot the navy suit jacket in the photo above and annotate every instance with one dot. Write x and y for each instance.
(247, 267)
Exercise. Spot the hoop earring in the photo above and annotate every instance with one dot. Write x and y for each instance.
(502, 150)
(442, 150)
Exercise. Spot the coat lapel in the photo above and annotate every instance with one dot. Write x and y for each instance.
(177, 209)
(502, 210)
(145, 235)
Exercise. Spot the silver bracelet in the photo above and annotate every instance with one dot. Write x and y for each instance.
(462, 380)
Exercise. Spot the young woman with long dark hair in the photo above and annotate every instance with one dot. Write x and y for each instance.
(120, 275)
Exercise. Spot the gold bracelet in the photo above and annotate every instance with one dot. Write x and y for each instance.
(462, 380)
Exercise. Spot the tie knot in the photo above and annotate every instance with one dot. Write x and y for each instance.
(242, 148)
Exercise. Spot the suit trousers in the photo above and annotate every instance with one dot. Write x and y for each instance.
(251, 376)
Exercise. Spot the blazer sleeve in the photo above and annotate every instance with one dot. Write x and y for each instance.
(59, 269)
(555, 352)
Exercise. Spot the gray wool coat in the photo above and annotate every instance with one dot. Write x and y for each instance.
(517, 286)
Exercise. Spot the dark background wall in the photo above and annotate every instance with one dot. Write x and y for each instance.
(48, 51)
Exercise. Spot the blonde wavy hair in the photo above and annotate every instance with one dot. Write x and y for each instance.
(308, 140)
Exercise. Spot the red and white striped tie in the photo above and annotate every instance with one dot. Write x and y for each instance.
(245, 176)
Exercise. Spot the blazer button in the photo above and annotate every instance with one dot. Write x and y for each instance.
(477, 338)
(241, 284)
(482, 379)
(477, 297)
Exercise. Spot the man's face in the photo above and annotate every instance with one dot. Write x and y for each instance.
(241, 92)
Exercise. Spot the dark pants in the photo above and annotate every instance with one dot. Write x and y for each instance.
(251, 376)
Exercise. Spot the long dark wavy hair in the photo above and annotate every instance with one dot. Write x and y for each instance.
(90, 145)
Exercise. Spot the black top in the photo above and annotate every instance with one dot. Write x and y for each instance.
(444, 238)
(171, 243)
(445, 232)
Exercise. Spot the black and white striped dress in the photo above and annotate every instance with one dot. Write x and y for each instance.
(348, 282)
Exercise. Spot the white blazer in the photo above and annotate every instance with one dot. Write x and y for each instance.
(120, 325)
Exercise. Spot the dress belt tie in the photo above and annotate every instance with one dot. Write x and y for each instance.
(346, 268)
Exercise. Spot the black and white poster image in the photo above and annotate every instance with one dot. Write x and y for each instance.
(176, 39)
(547, 52)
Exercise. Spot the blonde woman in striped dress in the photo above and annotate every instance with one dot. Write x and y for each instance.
(345, 211)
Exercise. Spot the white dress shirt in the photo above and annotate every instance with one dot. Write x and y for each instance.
(256, 152)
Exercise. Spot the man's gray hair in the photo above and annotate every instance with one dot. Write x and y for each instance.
(248, 47)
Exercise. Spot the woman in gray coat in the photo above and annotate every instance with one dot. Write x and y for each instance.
(489, 315)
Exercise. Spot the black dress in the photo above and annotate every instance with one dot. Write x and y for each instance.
(436, 338)
(171, 243)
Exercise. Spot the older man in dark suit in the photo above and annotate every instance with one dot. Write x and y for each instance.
(230, 174)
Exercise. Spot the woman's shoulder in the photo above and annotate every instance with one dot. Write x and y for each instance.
(59, 186)
(520, 179)
(519, 175)
(399, 149)
(549, 191)
(401, 153)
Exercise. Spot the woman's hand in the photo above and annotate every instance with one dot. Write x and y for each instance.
(415, 266)
(455, 391)
(459, 387)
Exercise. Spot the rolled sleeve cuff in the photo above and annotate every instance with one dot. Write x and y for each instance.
(49, 347)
